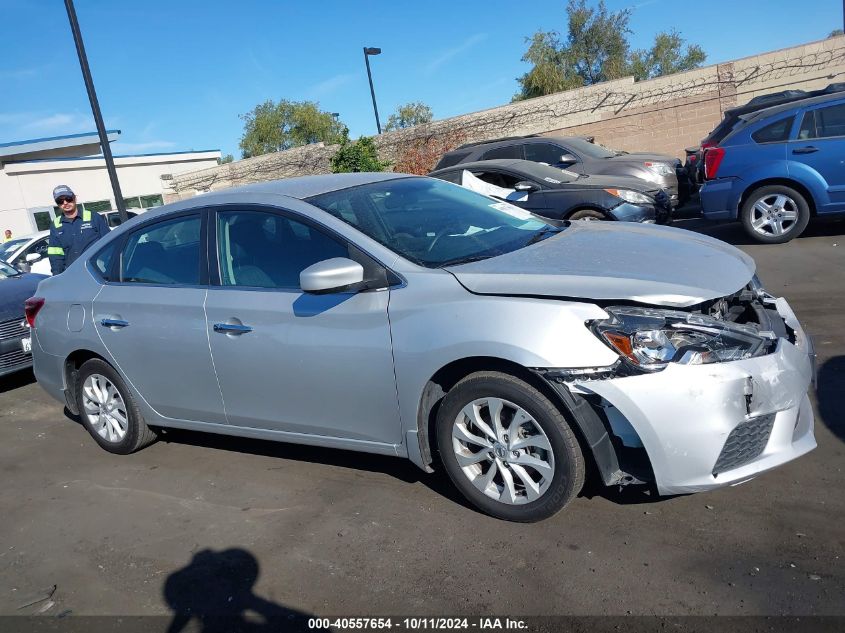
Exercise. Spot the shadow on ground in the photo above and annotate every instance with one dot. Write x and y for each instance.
(214, 593)
(830, 392)
(16, 380)
(400, 468)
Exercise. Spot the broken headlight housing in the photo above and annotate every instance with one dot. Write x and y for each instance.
(650, 339)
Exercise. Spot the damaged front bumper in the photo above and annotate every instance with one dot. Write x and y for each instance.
(707, 426)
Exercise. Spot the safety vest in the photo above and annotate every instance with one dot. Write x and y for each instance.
(86, 217)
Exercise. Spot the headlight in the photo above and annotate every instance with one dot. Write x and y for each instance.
(650, 339)
(661, 169)
(630, 196)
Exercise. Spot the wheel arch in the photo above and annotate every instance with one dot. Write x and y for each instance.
(591, 432)
(589, 207)
(71, 371)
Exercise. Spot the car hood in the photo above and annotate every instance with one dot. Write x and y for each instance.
(592, 181)
(641, 157)
(609, 261)
(14, 291)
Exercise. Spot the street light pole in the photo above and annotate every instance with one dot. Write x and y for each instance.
(376, 51)
(95, 108)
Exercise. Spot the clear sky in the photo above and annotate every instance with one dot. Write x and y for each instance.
(175, 75)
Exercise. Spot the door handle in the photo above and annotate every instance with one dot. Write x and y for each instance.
(114, 323)
(805, 150)
(230, 328)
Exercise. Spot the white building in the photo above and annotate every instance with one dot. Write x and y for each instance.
(29, 170)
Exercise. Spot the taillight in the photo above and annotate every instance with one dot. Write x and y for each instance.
(712, 159)
(31, 307)
(707, 144)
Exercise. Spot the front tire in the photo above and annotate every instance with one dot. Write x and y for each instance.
(108, 410)
(588, 214)
(775, 214)
(507, 448)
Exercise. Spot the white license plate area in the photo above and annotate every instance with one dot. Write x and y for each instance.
(26, 343)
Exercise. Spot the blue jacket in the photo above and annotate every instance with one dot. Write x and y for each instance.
(69, 238)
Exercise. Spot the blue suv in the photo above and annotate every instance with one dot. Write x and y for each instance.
(778, 167)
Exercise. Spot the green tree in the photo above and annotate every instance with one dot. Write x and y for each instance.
(666, 57)
(550, 70)
(228, 158)
(272, 127)
(596, 49)
(360, 155)
(836, 32)
(409, 115)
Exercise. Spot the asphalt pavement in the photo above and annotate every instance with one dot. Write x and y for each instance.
(208, 524)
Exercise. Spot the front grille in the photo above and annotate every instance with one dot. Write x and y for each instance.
(745, 443)
(13, 359)
(12, 329)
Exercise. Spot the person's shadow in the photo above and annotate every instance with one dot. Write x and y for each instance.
(215, 590)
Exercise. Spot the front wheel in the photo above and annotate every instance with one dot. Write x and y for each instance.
(588, 214)
(508, 448)
(775, 214)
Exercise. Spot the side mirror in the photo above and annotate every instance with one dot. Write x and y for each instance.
(33, 257)
(568, 159)
(527, 186)
(331, 275)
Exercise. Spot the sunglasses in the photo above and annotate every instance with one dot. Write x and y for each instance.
(63, 199)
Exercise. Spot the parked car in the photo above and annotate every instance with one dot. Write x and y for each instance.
(577, 154)
(560, 194)
(15, 341)
(406, 316)
(29, 252)
(778, 167)
(734, 116)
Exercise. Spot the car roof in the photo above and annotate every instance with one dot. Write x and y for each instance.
(530, 138)
(304, 187)
(792, 105)
(33, 236)
(529, 168)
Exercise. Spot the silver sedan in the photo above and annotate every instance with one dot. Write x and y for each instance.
(407, 316)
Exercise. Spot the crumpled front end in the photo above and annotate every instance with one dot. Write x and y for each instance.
(710, 425)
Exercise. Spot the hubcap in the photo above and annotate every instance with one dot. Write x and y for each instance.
(104, 408)
(774, 215)
(503, 451)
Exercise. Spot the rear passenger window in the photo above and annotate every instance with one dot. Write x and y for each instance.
(776, 132)
(511, 151)
(103, 261)
(166, 253)
(830, 121)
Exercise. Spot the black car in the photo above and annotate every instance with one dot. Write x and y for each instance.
(579, 154)
(15, 344)
(560, 194)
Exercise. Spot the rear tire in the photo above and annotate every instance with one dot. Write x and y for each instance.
(507, 448)
(775, 214)
(587, 214)
(108, 410)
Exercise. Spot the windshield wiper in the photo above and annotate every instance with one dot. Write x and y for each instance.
(546, 231)
(464, 260)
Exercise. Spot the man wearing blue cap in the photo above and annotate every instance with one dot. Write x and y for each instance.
(71, 233)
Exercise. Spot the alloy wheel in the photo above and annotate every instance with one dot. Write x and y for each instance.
(774, 215)
(104, 407)
(503, 451)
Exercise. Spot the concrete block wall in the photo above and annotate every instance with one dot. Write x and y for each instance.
(664, 115)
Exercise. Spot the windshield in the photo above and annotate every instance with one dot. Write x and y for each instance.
(431, 222)
(7, 248)
(7, 271)
(585, 148)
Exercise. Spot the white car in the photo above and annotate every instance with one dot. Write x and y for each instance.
(30, 251)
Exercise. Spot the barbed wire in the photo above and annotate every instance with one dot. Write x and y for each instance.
(606, 102)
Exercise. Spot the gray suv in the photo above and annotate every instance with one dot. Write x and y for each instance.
(578, 154)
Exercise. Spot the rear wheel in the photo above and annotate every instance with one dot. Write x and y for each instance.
(508, 448)
(109, 411)
(587, 214)
(775, 214)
